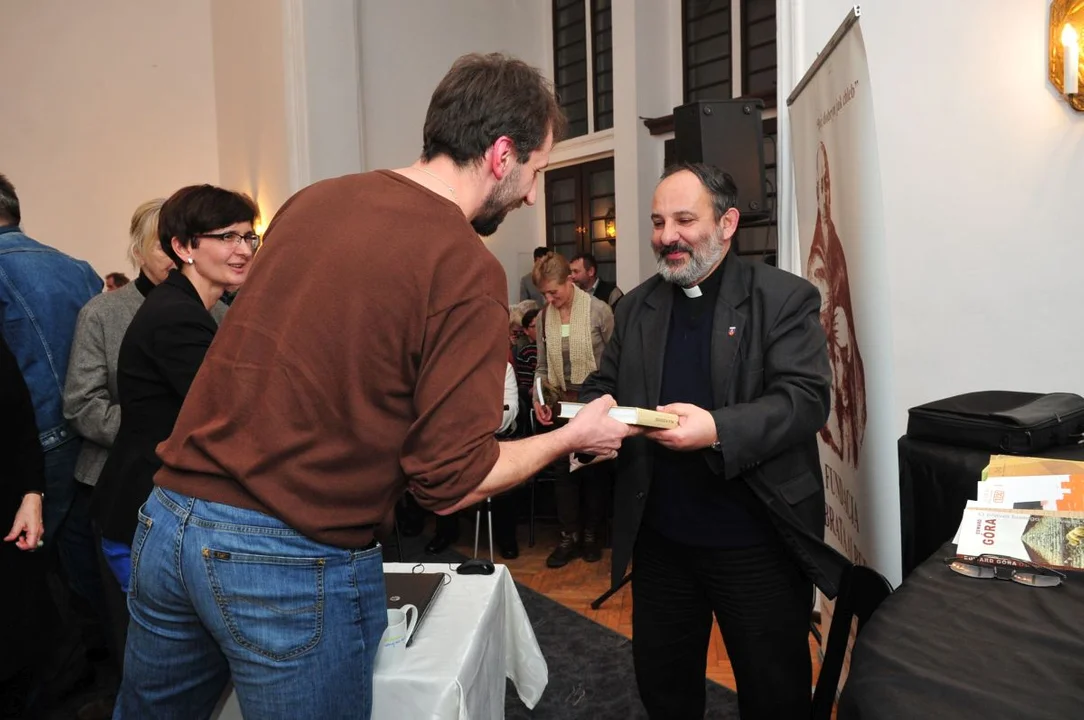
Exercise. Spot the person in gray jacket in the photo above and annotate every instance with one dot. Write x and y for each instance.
(91, 402)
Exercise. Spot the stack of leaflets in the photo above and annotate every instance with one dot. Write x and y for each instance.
(1034, 518)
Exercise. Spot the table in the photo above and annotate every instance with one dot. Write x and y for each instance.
(936, 481)
(476, 634)
(947, 646)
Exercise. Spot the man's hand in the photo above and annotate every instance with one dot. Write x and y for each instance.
(594, 432)
(27, 529)
(695, 430)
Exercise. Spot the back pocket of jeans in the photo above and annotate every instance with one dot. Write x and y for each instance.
(143, 529)
(271, 605)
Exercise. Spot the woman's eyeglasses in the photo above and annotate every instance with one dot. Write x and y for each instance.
(1019, 571)
(250, 238)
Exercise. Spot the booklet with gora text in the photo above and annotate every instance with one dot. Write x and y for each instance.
(1044, 538)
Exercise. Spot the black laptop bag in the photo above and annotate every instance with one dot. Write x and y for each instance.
(1015, 423)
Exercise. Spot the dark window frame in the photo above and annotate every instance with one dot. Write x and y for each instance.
(572, 109)
(746, 50)
(580, 174)
(598, 8)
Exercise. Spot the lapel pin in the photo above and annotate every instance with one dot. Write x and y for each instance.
(731, 330)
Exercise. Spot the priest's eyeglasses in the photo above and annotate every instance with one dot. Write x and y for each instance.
(1019, 571)
(250, 238)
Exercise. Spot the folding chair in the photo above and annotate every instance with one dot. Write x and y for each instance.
(546, 474)
(478, 526)
(862, 591)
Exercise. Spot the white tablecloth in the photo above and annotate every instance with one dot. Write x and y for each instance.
(476, 634)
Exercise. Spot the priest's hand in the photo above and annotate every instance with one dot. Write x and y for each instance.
(695, 430)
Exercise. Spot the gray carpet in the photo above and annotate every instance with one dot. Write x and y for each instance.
(590, 666)
(591, 673)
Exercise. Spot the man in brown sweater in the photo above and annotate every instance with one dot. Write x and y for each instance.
(364, 357)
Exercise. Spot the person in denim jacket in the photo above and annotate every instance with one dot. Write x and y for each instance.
(41, 293)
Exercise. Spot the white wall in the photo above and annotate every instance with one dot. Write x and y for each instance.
(644, 82)
(332, 87)
(250, 86)
(288, 89)
(105, 105)
(406, 48)
(980, 168)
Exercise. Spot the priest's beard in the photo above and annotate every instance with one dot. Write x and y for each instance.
(702, 257)
(498, 204)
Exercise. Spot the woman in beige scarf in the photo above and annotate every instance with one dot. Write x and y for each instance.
(574, 328)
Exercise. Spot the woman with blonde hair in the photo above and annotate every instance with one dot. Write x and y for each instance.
(572, 331)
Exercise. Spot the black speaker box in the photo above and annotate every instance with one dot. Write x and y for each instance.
(730, 135)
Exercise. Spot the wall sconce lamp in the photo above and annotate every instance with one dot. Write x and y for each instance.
(611, 225)
(1065, 17)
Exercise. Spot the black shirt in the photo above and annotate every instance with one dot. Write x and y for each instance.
(688, 503)
(162, 350)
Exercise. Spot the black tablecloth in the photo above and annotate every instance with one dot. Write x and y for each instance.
(936, 481)
(948, 646)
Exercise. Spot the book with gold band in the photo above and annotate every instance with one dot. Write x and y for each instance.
(1017, 466)
(628, 415)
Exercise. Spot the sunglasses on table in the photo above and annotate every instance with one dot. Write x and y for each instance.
(985, 567)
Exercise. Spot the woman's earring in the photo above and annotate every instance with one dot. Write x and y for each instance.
(190, 261)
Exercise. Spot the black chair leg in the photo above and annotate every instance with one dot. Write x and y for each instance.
(398, 540)
(530, 525)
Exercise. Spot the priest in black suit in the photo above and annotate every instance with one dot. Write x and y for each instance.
(723, 515)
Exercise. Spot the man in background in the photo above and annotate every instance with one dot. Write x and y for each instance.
(115, 281)
(585, 275)
(42, 291)
(527, 290)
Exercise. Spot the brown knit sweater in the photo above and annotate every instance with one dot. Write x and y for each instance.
(364, 355)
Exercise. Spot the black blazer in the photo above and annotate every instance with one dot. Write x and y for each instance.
(603, 290)
(162, 349)
(770, 383)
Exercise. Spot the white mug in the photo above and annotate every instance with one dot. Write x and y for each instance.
(401, 624)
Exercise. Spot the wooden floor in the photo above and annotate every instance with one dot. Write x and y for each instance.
(577, 584)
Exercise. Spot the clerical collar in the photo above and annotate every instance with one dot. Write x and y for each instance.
(706, 288)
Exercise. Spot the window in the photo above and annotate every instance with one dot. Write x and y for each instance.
(758, 64)
(712, 50)
(706, 39)
(583, 79)
(580, 204)
(603, 56)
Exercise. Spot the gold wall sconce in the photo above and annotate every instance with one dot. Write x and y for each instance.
(1066, 24)
(611, 224)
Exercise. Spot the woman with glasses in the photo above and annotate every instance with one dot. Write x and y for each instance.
(91, 400)
(207, 233)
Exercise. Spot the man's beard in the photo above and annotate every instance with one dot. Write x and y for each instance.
(702, 258)
(497, 205)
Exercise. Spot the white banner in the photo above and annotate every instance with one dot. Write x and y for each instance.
(842, 248)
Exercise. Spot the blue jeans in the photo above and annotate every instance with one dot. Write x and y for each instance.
(217, 591)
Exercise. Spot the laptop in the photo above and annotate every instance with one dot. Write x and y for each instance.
(417, 589)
